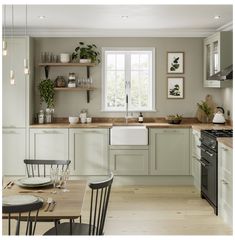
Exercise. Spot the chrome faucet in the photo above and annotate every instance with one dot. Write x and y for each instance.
(127, 115)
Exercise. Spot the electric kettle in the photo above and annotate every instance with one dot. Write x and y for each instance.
(219, 116)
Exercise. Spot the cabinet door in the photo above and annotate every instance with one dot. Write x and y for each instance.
(13, 151)
(129, 162)
(88, 149)
(169, 151)
(225, 183)
(51, 144)
(14, 96)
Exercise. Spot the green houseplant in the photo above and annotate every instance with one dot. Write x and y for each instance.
(86, 51)
(47, 92)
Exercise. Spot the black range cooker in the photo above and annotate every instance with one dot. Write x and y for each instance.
(209, 164)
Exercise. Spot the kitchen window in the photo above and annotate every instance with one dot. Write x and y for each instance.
(128, 73)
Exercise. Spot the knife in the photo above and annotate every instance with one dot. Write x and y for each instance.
(52, 206)
(7, 184)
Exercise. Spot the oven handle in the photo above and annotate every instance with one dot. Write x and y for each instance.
(202, 163)
(204, 150)
(201, 148)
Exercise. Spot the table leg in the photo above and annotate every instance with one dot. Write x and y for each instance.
(71, 224)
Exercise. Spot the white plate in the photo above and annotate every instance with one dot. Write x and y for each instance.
(19, 199)
(35, 180)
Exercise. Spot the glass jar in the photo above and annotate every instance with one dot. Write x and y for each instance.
(72, 80)
(49, 116)
(41, 117)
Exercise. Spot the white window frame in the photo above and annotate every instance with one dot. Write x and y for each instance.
(103, 92)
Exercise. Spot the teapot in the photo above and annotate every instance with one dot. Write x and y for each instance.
(219, 116)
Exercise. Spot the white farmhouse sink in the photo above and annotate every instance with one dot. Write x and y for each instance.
(129, 135)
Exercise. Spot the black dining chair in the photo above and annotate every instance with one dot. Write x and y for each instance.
(22, 213)
(41, 168)
(100, 193)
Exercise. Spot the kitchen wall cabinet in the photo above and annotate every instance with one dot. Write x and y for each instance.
(17, 99)
(49, 143)
(88, 149)
(218, 54)
(13, 151)
(169, 151)
(129, 160)
(196, 156)
(225, 183)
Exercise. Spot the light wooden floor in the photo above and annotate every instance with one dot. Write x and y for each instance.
(156, 210)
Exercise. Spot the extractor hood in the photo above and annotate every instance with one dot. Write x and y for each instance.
(225, 74)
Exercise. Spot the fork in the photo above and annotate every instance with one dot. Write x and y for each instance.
(49, 202)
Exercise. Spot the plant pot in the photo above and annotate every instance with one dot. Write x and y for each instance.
(85, 60)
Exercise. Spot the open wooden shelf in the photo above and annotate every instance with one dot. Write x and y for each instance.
(74, 89)
(67, 64)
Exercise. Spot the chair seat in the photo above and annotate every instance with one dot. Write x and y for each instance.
(64, 229)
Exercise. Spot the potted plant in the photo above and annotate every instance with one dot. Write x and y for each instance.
(86, 53)
(47, 92)
(174, 118)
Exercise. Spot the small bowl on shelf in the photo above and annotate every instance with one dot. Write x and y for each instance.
(73, 120)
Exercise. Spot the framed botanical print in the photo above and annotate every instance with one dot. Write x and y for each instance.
(175, 62)
(175, 87)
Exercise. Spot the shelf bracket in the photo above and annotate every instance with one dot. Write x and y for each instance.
(88, 96)
(88, 71)
(46, 68)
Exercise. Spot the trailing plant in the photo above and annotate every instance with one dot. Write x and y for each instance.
(205, 108)
(88, 51)
(47, 92)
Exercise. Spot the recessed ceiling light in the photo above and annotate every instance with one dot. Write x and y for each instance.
(124, 17)
(41, 17)
(217, 17)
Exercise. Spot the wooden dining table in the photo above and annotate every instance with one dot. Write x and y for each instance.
(68, 203)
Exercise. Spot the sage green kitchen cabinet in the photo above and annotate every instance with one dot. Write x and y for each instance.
(196, 156)
(88, 149)
(218, 54)
(17, 99)
(49, 143)
(13, 151)
(225, 183)
(129, 160)
(169, 151)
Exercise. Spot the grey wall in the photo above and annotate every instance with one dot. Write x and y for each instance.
(228, 101)
(70, 103)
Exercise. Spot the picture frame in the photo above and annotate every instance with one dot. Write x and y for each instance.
(175, 62)
(175, 87)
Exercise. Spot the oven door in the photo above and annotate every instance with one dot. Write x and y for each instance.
(208, 180)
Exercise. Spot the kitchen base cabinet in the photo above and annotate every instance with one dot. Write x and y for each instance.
(88, 149)
(129, 161)
(13, 151)
(169, 151)
(225, 183)
(49, 143)
(196, 156)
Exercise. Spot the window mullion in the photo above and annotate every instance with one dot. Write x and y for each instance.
(128, 76)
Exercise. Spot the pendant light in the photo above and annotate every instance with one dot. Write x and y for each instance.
(12, 73)
(26, 62)
(4, 42)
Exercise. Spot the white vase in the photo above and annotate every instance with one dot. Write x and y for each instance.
(64, 58)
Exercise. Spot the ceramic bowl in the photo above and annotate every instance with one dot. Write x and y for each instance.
(64, 58)
(73, 120)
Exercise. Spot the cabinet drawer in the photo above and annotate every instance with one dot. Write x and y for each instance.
(129, 162)
(227, 159)
(227, 189)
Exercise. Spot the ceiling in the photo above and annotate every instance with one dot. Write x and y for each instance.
(95, 20)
